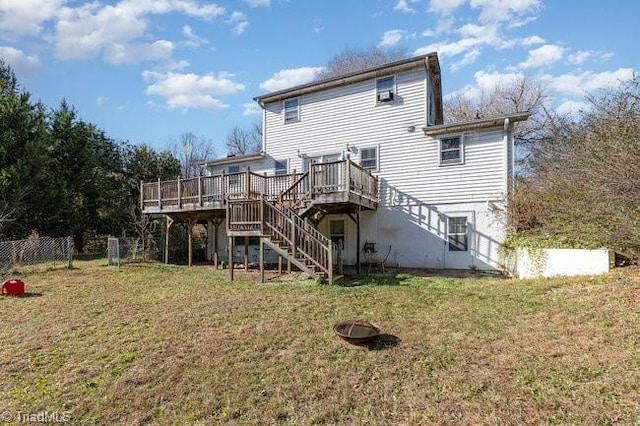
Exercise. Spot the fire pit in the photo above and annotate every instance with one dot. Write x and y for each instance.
(356, 331)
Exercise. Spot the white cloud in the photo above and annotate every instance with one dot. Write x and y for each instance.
(444, 25)
(588, 81)
(19, 61)
(184, 91)
(543, 55)
(136, 53)
(193, 40)
(258, 3)
(391, 38)
(112, 31)
(239, 22)
(570, 107)
(530, 41)
(473, 37)
(251, 108)
(25, 17)
(445, 7)
(403, 6)
(101, 100)
(485, 82)
(494, 11)
(468, 58)
(290, 77)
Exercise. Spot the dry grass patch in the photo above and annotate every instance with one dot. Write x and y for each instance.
(154, 344)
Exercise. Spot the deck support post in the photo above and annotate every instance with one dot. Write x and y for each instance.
(216, 225)
(190, 240)
(246, 254)
(261, 260)
(166, 239)
(357, 222)
(231, 258)
(358, 240)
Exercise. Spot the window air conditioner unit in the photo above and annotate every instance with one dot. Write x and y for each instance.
(385, 96)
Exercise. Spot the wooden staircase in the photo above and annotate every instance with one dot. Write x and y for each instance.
(284, 231)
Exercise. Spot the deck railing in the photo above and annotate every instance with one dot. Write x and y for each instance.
(322, 178)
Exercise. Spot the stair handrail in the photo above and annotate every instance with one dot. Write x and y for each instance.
(305, 225)
(288, 193)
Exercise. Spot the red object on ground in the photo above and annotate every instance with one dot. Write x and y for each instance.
(12, 288)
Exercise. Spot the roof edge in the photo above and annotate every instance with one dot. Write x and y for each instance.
(476, 124)
(245, 158)
(426, 60)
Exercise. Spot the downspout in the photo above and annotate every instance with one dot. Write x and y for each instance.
(264, 127)
(509, 155)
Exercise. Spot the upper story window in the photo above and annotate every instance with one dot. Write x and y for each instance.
(281, 168)
(369, 158)
(385, 89)
(451, 150)
(291, 110)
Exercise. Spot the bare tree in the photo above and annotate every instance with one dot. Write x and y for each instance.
(241, 140)
(584, 181)
(191, 150)
(524, 94)
(353, 60)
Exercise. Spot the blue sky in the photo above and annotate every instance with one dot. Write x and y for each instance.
(148, 70)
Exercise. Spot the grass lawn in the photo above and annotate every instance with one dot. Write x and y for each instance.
(155, 344)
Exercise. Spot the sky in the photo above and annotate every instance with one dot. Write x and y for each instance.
(147, 71)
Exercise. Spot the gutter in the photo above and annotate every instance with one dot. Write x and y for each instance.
(504, 121)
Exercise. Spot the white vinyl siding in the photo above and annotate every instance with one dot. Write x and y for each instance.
(410, 169)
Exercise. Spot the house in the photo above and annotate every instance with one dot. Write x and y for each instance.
(363, 162)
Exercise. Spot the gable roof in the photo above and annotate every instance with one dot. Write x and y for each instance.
(428, 61)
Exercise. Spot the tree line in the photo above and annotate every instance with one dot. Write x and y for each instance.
(60, 175)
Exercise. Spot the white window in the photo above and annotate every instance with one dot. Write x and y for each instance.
(233, 171)
(369, 158)
(451, 150)
(458, 234)
(385, 89)
(281, 168)
(291, 110)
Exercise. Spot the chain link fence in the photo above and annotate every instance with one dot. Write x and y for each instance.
(35, 251)
(121, 250)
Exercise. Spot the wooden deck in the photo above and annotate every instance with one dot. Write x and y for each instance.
(336, 185)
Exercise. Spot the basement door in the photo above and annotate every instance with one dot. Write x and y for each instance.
(458, 244)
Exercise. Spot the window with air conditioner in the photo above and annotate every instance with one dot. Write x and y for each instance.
(385, 89)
